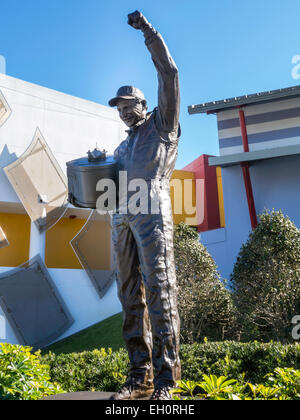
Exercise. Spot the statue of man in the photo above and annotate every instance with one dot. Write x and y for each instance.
(143, 243)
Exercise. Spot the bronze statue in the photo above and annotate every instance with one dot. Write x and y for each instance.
(143, 243)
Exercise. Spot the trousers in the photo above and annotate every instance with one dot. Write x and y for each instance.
(146, 279)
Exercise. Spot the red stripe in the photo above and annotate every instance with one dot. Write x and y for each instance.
(249, 192)
(246, 172)
(244, 130)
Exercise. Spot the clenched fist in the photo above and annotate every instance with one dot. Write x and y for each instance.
(137, 20)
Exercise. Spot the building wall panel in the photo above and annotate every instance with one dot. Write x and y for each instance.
(17, 231)
(269, 125)
(59, 253)
(183, 197)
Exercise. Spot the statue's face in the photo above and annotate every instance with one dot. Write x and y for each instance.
(131, 111)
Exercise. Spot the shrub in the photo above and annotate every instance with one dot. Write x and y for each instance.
(239, 361)
(97, 370)
(282, 384)
(286, 382)
(22, 375)
(266, 279)
(204, 304)
(104, 370)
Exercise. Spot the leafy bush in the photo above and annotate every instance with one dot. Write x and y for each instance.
(239, 361)
(204, 304)
(266, 279)
(22, 376)
(210, 388)
(104, 370)
(97, 370)
(225, 371)
(286, 382)
(282, 384)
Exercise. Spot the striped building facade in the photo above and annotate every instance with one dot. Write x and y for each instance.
(272, 125)
(259, 145)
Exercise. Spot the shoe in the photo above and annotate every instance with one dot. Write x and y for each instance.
(162, 393)
(132, 391)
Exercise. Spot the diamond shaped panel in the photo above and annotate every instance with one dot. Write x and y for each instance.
(33, 305)
(87, 245)
(39, 183)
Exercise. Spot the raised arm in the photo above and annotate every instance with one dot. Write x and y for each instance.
(168, 80)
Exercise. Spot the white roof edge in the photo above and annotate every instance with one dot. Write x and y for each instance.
(260, 97)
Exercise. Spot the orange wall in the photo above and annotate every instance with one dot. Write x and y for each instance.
(17, 230)
(183, 197)
(221, 196)
(59, 253)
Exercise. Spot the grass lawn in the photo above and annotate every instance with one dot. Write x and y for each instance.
(107, 333)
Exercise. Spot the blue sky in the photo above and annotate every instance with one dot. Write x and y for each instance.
(223, 48)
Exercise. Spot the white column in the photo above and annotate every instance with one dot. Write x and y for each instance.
(37, 242)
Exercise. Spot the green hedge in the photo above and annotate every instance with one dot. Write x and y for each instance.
(104, 370)
(27, 376)
(248, 361)
(97, 370)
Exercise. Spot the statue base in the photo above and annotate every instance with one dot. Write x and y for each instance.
(84, 396)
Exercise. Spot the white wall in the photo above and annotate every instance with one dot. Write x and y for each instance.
(84, 304)
(70, 126)
(79, 295)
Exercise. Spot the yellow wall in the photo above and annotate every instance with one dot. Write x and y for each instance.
(17, 230)
(221, 197)
(178, 198)
(59, 253)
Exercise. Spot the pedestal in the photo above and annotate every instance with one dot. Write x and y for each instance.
(83, 396)
(76, 396)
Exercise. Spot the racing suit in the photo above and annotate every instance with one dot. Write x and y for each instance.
(143, 243)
